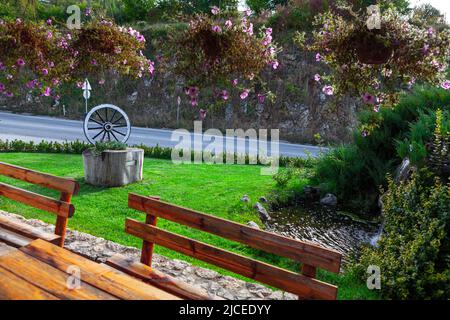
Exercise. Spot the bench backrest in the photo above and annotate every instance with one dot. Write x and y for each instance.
(309, 255)
(61, 207)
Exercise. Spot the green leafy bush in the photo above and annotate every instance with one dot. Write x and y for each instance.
(355, 172)
(101, 147)
(413, 252)
(428, 142)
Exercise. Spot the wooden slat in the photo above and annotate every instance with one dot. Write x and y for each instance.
(13, 239)
(286, 280)
(5, 249)
(48, 278)
(107, 279)
(27, 231)
(38, 201)
(270, 242)
(157, 278)
(39, 178)
(13, 287)
(61, 222)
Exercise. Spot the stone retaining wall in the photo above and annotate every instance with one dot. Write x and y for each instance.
(99, 250)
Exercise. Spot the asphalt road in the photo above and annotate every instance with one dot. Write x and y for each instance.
(38, 128)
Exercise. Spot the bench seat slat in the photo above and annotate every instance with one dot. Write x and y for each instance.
(27, 230)
(157, 278)
(289, 281)
(13, 239)
(300, 251)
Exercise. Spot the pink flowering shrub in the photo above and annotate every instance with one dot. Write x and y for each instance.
(377, 64)
(224, 55)
(40, 57)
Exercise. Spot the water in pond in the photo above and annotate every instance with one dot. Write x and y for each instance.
(325, 227)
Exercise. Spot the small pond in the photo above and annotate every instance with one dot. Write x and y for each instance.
(326, 227)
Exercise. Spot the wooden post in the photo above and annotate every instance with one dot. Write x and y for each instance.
(147, 247)
(61, 222)
(309, 271)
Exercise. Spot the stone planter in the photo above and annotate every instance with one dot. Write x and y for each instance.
(113, 168)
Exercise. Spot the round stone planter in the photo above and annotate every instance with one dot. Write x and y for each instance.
(113, 168)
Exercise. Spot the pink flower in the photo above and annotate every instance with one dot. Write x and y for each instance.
(194, 102)
(369, 99)
(55, 82)
(49, 22)
(261, 98)
(446, 85)
(376, 108)
(45, 72)
(234, 82)
(319, 57)
(228, 24)
(225, 95)
(215, 10)
(317, 77)
(87, 12)
(20, 62)
(49, 34)
(364, 133)
(248, 12)
(94, 62)
(192, 91)
(79, 84)
(57, 97)
(51, 64)
(9, 94)
(2, 87)
(269, 31)
(244, 94)
(101, 82)
(431, 31)
(151, 67)
(217, 29)
(275, 64)
(47, 92)
(202, 114)
(328, 90)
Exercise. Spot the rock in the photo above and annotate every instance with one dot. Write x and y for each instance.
(312, 193)
(133, 97)
(263, 200)
(263, 214)
(253, 224)
(329, 200)
(206, 274)
(245, 198)
(404, 171)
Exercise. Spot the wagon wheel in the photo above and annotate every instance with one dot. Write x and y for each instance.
(107, 122)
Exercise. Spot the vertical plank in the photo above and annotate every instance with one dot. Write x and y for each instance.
(61, 222)
(148, 247)
(309, 271)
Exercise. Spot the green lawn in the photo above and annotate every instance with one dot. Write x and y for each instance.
(214, 189)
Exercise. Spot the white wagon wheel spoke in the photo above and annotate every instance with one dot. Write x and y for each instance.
(107, 123)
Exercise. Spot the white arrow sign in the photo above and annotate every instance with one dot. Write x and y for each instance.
(86, 92)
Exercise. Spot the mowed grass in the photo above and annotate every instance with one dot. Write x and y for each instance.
(214, 189)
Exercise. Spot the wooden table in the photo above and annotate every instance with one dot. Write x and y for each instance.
(42, 270)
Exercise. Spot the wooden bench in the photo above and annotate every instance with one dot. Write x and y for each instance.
(18, 234)
(303, 284)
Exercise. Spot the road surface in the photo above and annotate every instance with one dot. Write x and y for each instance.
(38, 128)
